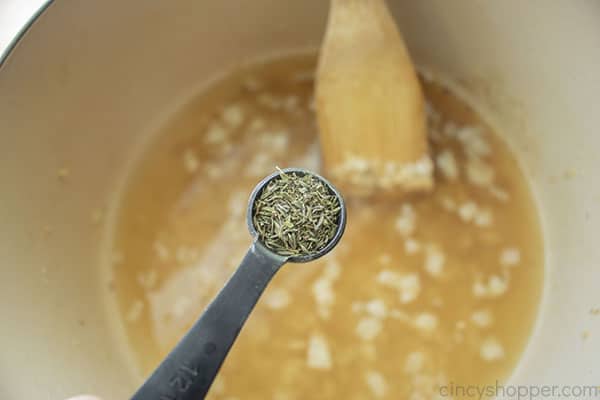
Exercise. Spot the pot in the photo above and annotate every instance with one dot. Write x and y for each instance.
(87, 82)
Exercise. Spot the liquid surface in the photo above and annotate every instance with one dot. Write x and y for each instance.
(429, 290)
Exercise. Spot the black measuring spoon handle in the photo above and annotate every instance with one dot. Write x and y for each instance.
(190, 368)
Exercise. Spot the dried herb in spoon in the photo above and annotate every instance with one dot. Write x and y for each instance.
(296, 214)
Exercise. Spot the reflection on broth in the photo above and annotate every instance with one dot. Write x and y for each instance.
(420, 292)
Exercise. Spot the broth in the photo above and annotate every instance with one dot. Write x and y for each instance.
(429, 290)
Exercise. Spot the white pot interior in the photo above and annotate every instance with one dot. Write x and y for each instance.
(89, 81)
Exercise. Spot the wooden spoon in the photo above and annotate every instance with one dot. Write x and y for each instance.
(370, 106)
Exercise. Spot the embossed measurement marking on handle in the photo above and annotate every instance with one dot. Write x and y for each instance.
(183, 378)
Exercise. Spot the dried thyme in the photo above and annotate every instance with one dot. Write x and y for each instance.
(296, 214)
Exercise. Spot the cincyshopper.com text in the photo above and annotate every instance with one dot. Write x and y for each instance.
(519, 392)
